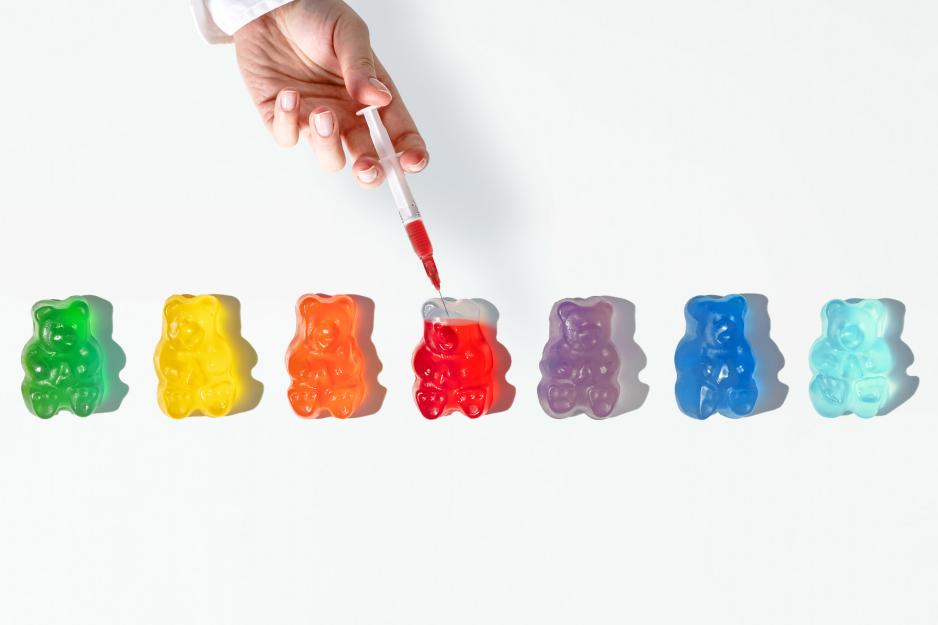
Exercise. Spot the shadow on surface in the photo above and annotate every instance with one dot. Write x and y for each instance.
(504, 394)
(633, 392)
(769, 358)
(245, 356)
(902, 385)
(102, 326)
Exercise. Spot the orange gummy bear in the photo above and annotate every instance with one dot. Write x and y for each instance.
(324, 360)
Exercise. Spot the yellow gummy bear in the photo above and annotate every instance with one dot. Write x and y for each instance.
(196, 360)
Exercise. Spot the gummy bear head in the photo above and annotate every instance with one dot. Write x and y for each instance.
(585, 328)
(440, 337)
(190, 319)
(61, 328)
(853, 326)
(722, 318)
(326, 320)
(443, 325)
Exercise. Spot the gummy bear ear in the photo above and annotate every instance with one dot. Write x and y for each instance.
(42, 312)
(206, 301)
(693, 306)
(833, 309)
(565, 310)
(308, 305)
(346, 304)
(431, 310)
(604, 307)
(80, 307)
(737, 304)
(877, 310)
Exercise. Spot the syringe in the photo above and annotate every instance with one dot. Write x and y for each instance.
(403, 198)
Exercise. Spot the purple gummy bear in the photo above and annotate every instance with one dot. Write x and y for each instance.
(580, 363)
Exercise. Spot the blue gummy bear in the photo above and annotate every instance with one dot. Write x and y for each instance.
(852, 360)
(714, 361)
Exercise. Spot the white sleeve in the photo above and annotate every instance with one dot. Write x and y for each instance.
(218, 20)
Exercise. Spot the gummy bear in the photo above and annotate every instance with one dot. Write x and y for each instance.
(852, 360)
(195, 359)
(580, 363)
(714, 361)
(64, 362)
(454, 363)
(324, 360)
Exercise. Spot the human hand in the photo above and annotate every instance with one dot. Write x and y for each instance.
(309, 67)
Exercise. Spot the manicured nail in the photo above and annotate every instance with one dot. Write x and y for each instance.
(418, 166)
(368, 175)
(288, 101)
(380, 86)
(324, 123)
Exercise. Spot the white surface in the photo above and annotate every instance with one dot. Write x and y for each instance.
(778, 148)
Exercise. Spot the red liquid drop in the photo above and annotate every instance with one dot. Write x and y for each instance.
(455, 369)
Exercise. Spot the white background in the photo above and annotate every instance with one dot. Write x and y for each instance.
(651, 151)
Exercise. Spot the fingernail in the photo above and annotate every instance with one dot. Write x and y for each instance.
(288, 101)
(324, 123)
(380, 86)
(418, 166)
(368, 175)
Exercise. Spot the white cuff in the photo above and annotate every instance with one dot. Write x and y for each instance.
(218, 20)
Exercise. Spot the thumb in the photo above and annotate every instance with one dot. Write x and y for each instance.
(353, 50)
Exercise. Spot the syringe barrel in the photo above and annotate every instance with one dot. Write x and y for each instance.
(403, 198)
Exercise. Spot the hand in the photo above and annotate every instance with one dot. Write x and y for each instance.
(309, 67)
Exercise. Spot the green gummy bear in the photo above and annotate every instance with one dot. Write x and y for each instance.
(63, 361)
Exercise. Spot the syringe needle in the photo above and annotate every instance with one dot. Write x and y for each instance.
(443, 301)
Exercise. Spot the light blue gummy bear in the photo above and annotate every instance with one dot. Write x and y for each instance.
(852, 360)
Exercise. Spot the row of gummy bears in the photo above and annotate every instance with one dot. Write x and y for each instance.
(202, 370)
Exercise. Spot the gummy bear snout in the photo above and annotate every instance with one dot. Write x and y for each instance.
(186, 332)
(61, 337)
(851, 336)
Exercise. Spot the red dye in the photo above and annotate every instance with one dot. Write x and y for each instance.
(420, 241)
(455, 369)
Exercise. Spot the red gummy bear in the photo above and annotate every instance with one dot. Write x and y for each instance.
(454, 363)
(324, 359)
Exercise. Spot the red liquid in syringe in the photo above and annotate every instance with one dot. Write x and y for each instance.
(420, 240)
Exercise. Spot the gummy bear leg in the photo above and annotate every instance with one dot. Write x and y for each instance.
(602, 400)
(742, 401)
(43, 401)
(344, 401)
(218, 399)
(84, 400)
(828, 394)
(177, 402)
(871, 395)
(473, 402)
(430, 400)
(701, 404)
(304, 399)
(561, 397)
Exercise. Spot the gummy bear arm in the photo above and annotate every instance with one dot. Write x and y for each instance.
(881, 359)
(424, 363)
(825, 359)
(688, 355)
(38, 361)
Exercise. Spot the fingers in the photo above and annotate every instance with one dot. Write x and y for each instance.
(326, 139)
(368, 172)
(353, 49)
(286, 115)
